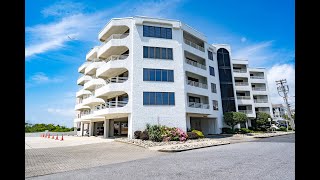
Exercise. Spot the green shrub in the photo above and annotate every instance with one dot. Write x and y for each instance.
(137, 134)
(192, 135)
(245, 130)
(282, 129)
(227, 130)
(199, 133)
(154, 132)
(144, 135)
(236, 130)
(289, 128)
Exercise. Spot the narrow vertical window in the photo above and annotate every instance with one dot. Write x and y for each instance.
(145, 52)
(164, 75)
(163, 53)
(157, 53)
(151, 52)
(146, 98)
(170, 76)
(169, 33)
(158, 74)
(169, 51)
(171, 98)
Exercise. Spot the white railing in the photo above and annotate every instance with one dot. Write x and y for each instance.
(243, 97)
(256, 77)
(112, 80)
(115, 36)
(196, 64)
(240, 70)
(194, 45)
(84, 64)
(258, 89)
(197, 84)
(241, 83)
(260, 100)
(116, 57)
(86, 96)
(246, 111)
(111, 104)
(198, 105)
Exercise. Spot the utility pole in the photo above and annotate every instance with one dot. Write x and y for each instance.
(285, 90)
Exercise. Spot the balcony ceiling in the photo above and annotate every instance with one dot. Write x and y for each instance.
(114, 50)
(114, 30)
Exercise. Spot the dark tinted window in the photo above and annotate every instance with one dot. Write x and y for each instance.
(210, 55)
(169, 51)
(211, 71)
(157, 53)
(145, 52)
(151, 52)
(163, 53)
(158, 32)
(158, 75)
(158, 98)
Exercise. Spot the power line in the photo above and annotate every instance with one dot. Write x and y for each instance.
(282, 88)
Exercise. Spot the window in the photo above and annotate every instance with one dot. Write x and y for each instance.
(151, 52)
(213, 88)
(157, 53)
(164, 75)
(158, 32)
(158, 98)
(145, 52)
(215, 104)
(169, 51)
(211, 71)
(210, 55)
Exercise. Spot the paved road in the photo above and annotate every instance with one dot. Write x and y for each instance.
(265, 159)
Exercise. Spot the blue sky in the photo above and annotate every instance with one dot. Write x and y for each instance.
(260, 31)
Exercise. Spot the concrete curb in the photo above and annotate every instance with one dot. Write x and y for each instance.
(179, 150)
(131, 144)
(259, 136)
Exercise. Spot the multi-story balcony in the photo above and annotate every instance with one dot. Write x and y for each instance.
(114, 64)
(92, 100)
(246, 111)
(83, 79)
(259, 89)
(82, 93)
(241, 83)
(91, 69)
(244, 99)
(198, 105)
(113, 109)
(194, 45)
(240, 70)
(195, 64)
(83, 67)
(113, 87)
(91, 85)
(92, 54)
(197, 84)
(261, 100)
(256, 77)
(80, 106)
(114, 44)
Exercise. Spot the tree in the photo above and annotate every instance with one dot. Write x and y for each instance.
(234, 118)
(262, 119)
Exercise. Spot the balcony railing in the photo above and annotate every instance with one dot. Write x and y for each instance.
(256, 77)
(197, 84)
(258, 89)
(194, 45)
(260, 100)
(116, 57)
(196, 64)
(240, 70)
(96, 47)
(111, 104)
(115, 36)
(198, 105)
(241, 83)
(243, 97)
(113, 80)
(246, 111)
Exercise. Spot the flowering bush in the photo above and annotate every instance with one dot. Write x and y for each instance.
(199, 133)
(163, 133)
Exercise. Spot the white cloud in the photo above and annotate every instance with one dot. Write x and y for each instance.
(82, 26)
(63, 8)
(41, 78)
(277, 72)
(243, 39)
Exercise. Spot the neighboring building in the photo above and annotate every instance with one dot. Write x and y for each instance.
(251, 90)
(156, 71)
(278, 111)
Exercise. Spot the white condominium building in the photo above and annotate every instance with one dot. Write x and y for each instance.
(160, 71)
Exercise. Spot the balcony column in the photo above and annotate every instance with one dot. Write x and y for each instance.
(106, 128)
(81, 128)
(117, 101)
(91, 129)
(111, 128)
